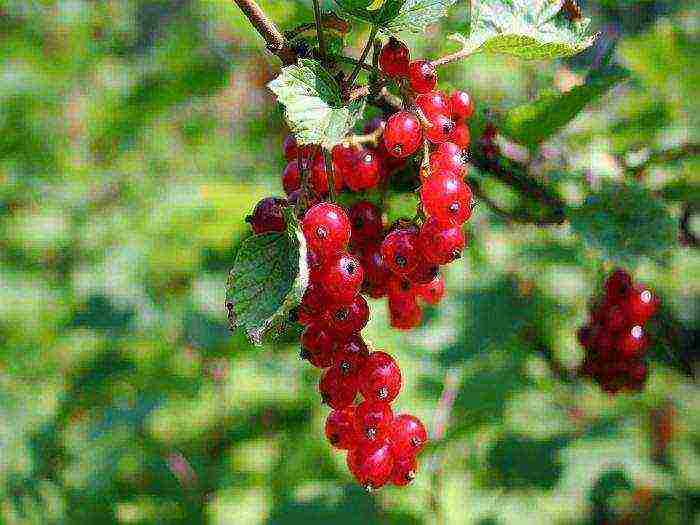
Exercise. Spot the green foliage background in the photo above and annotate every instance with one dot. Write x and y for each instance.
(135, 135)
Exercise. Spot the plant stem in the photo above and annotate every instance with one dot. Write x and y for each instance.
(329, 174)
(275, 40)
(319, 31)
(363, 57)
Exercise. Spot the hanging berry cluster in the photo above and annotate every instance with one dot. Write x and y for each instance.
(614, 339)
(351, 253)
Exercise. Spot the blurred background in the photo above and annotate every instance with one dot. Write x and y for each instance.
(135, 135)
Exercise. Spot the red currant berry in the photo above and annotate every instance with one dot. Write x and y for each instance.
(433, 103)
(351, 355)
(404, 314)
(326, 227)
(268, 215)
(317, 346)
(618, 285)
(632, 343)
(381, 378)
(424, 273)
(641, 304)
(314, 300)
(403, 134)
(319, 177)
(377, 273)
(365, 174)
(373, 420)
(371, 463)
(290, 148)
(441, 127)
(291, 179)
(447, 198)
(422, 76)
(408, 436)
(440, 242)
(366, 221)
(394, 58)
(348, 319)
(340, 428)
(404, 471)
(342, 278)
(448, 157)
(462, 105)
(434, 291)
(400, 251)
(338, 390)
(344, 159)
(460, 135)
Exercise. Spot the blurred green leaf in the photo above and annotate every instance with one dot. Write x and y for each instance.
(416, 15)
(527, 29)
(520, 462)
(313, 106)
(267, 280)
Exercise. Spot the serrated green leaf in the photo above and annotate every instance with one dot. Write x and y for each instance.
(268, 279)
(397, 16)
(534, 122)
(529, 29)
(313, 106)
(625, 223)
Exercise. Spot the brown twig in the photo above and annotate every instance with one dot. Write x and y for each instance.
(274, 39)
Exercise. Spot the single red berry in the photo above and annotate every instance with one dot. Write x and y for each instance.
(447, 198)
(377, 273)
(462, 105)
(402, 289)
(448, 157)
(373, 420)
(338, 390)
(440, 129)
(460, 135)
(641, 304)
(291, 178)
(403, 134)
(381, 378)
(365, 174)
(432, 103)
(342, 278)
(319, 177)
(632, 343)
(434, 291)
(404, 471)
(404, 314)
(346, 320)
(371, 463)
(618, 285)
(327, 228)
(440, 242)
(351, 355)
(366, 221)
(424, 273)
(400, 251)
(408, 436)
(422, 76)
(340, 428)
(318, 345)
(394, 58)
(268, 215)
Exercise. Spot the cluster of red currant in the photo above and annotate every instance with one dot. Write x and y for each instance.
(614, 339)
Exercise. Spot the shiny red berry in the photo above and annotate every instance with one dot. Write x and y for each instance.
(448, 157)
(380, 379)
(408, 436)
(394, 58)
(447, 197)
(641, 304)
(404, 471)
(268, 215)
(434, 291)
(373, 420)
(351, 354)
(318, 345)
(632, 343)
(440, 128)
(422, 76)
(340, 428)
(460, 135)
(432, 103)
(462, 105)
(441, 242)
(338, 390)
(371, 463)
(346, 320)
(403, 134)
(400, 251)
(365, 174)
(341, 278)
(291, 178)
(327, 228)
(366, 221)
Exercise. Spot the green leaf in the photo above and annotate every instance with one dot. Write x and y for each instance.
(396, 16)
(529, 29)
(267, 281)
(625, 223)
(535, 122)
(313, 106)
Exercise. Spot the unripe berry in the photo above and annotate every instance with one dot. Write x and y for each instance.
(268, 215)
(447, 198)
(394, 58)
(400, 251)
(448, 157)
(338, 390)
(373, 420)
(432, 103)
(365, 174)
(371, 463)
(342, 278)
(291, 178)
(440, 242)
(366, 221)
(434, 291)
(460, 135)
(340, 428)
(326, 227)
(462, 105)
(348, 319)
(440, 129)
(404, 471)
(403, 134)
(422, 76)
(408, 436)
(381, 378)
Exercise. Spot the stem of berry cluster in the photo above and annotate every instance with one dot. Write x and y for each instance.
(319, 31)
(275, 40)
(369, 138)
(328, 160)
(363, 57)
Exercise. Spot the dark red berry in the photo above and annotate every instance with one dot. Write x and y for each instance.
(346, 320)
(340, 428)
(405, 314)
(394, 58)
(432, 103)
(327, 229)
(373, 420)
(404, 471)
(424, 273)
(460, 135)
(291, 178)
(351, 355)
(290, 148)
(314, 300)
(268, 215)
(462, 105)
(585, 336)
(371, 463)
(344, 159)
(408, 436)
(377, 273)
(448, 157)
(380, 379)
(441, 127)
(338, 390)
(618, 285)
(433, 292)
(400, 251)
(447, 197)
(440, 242)
(366, 221)
(317, 345)
(342, 278)
(365, 174)
(403, 134)
(422, 76)
(641, 304)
